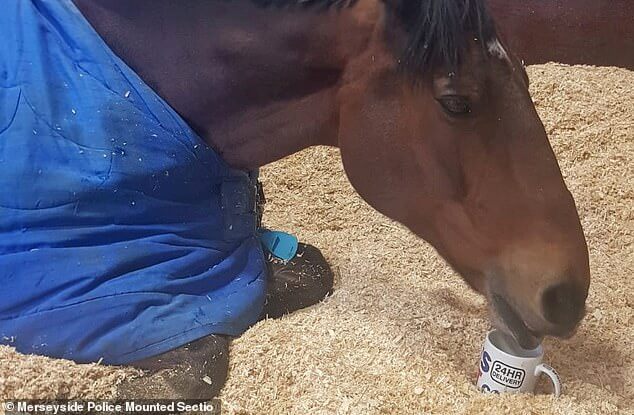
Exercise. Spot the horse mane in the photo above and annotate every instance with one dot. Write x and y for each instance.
(438, 31)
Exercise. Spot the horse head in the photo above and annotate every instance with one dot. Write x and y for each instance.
(438, 131)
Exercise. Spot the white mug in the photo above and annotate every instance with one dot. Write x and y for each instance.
(506, 367)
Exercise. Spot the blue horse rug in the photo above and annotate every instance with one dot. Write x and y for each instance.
(122, 234)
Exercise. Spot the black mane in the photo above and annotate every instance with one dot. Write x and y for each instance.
(437, 30)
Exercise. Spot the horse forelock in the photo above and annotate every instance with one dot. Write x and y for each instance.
(439, 32)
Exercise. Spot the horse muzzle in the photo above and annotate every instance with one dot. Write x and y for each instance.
(561, 309)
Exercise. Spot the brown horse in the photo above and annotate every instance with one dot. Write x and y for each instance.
(591, 32)
(429, 107)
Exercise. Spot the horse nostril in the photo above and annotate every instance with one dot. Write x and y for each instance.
(563, 305)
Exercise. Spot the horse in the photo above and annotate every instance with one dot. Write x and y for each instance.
(428, 105)
(589, 32)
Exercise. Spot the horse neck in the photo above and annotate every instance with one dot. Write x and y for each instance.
(257, 84)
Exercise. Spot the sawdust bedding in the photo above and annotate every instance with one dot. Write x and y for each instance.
(402, 332)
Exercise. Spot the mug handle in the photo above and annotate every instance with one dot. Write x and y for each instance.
(552, 374)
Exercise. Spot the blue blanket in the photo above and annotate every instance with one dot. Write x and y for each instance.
(122, 234)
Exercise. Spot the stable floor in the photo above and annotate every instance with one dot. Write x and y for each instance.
(402, 332)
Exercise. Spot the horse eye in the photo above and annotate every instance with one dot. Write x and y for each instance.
(455, 104)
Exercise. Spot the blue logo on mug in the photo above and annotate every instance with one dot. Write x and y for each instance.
(484, 363)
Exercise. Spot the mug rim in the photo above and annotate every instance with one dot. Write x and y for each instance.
(539, 350)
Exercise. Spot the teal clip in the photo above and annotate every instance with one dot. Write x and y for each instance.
(280, 244)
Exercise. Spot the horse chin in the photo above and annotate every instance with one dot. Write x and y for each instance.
(510, 322)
